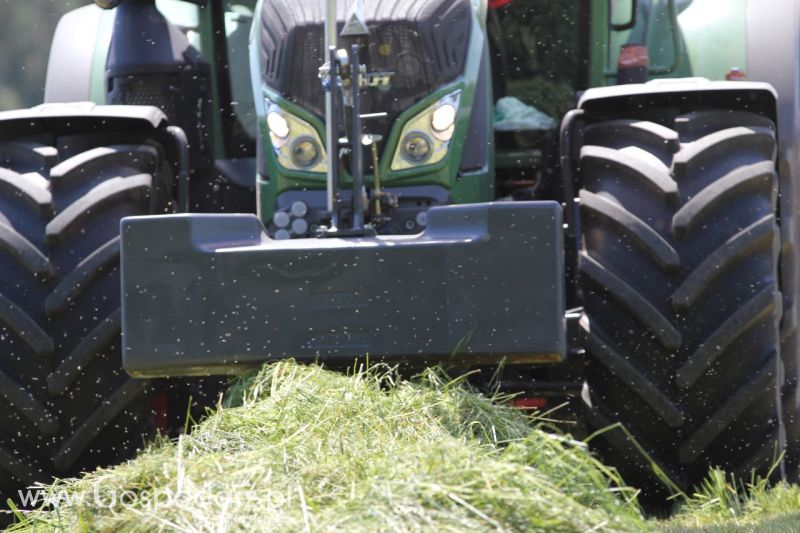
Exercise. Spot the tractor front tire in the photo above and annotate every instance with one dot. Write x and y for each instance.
(66, 405)
(679, 263)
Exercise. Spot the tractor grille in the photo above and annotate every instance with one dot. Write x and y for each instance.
(180, 96)
(161, 91)
(423, 43)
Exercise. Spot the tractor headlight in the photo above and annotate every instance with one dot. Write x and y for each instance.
(296, 143)
(416, 147)
(278, 128)
(306, 152)
(443, 121)
(425, 139)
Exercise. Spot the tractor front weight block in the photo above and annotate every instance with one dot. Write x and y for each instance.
(213, 294)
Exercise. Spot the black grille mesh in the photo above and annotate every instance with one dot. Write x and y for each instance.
(424, 42)
(159, 91)
(181, 96)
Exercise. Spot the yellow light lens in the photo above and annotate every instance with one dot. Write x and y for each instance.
(425, 138)
(416, 147)
(305, 152)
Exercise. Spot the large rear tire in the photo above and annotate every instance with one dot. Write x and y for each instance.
(679, 269)
(66, 405)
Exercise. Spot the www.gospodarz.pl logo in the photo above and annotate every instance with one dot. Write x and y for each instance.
(46, 498)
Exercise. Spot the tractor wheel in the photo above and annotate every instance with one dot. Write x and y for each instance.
(679, 275)
(67, 405)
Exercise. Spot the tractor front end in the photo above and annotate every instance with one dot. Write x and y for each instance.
(426, 109)
(374, 125)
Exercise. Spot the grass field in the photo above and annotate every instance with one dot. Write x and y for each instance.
(298, 448)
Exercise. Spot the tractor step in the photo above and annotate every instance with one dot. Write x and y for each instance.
(208, 294)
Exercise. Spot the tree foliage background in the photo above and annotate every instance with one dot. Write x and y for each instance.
(26, 29)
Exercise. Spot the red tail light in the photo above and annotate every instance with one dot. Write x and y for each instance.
(159, 405)
(632, 64)
(497, 4)
(633, 56)
(529, 403)
(736, 74)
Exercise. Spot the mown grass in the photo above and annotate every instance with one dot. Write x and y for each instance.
(724, 504)
(299, 448)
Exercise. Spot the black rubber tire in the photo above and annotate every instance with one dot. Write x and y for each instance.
(679, 274)
(66, 405)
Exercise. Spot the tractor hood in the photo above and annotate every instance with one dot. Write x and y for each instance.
(419, 46)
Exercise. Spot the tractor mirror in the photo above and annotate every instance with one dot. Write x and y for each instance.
(622, 14)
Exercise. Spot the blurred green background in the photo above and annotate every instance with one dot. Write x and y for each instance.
(26, 27)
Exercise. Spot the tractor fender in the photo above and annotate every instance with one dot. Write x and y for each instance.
(80, 116)
(76, 42)
(689, 93)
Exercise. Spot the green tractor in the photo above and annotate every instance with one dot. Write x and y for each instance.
(445, 181)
